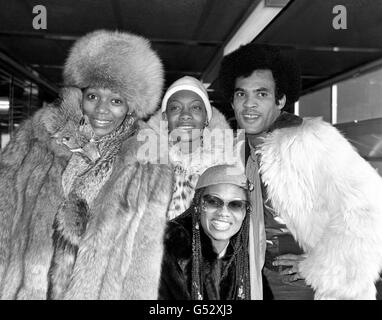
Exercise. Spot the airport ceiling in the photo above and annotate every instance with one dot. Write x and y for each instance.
(189, 35)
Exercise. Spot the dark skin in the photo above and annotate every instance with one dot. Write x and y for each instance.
(186, 115)
(292, 261)
(256, 108)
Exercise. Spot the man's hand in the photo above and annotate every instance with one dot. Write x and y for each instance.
(290, 260)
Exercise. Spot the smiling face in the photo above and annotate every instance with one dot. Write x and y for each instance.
(222, 223)
(186, 114)
(106, 109)
(254, 102)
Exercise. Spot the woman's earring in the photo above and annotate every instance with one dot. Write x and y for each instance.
(131, 118)
(202, 136)
(206, 124)
(82, 120)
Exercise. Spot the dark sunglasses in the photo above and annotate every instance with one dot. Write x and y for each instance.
(213, 203)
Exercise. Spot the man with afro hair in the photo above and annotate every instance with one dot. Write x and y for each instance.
(318, 220)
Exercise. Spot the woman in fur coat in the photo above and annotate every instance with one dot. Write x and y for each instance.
(76, 206)
(188, 119)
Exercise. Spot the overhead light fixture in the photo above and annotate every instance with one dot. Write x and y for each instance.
(4, 105)
(263, 12)
(261, 16)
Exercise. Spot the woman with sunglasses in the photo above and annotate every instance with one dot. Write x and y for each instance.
(206, 248)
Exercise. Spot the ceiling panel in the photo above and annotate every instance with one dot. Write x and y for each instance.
(186, 34)
(189, 34)
(307, 26)
(311, 22)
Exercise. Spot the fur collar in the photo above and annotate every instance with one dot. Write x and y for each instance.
(62, 118)
(285, 120)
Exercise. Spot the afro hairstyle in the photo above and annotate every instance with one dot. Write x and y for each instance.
(251, 57)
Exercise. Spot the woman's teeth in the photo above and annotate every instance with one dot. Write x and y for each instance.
(220, 225)
(186, 127)
(251, 116)
(102, 122)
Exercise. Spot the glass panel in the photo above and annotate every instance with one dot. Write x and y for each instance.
(19, 99)
(316, 104)
(377, 165)
(360, 98)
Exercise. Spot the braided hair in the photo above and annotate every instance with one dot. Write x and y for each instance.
(239, 256)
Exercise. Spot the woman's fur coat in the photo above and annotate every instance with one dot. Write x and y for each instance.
(330, 199)
(120, 252)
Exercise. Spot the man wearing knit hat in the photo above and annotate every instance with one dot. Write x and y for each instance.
(81, 217)
(315, 185)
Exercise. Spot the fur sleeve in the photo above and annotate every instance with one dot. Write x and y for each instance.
(12, 164)
(151, 203)
(10, 160)
(121, 253)
(330, 199)
(20, 160)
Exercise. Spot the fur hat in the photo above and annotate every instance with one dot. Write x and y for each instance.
(120, 61)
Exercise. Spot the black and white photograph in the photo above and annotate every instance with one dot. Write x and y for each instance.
(191, 153)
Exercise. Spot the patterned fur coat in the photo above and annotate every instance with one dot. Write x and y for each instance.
(330, 199)
(118, 254)
(189, 167)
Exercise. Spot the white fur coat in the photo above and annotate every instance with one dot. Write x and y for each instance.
(330, 199)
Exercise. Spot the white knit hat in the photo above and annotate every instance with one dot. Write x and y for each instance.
(191, 84)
